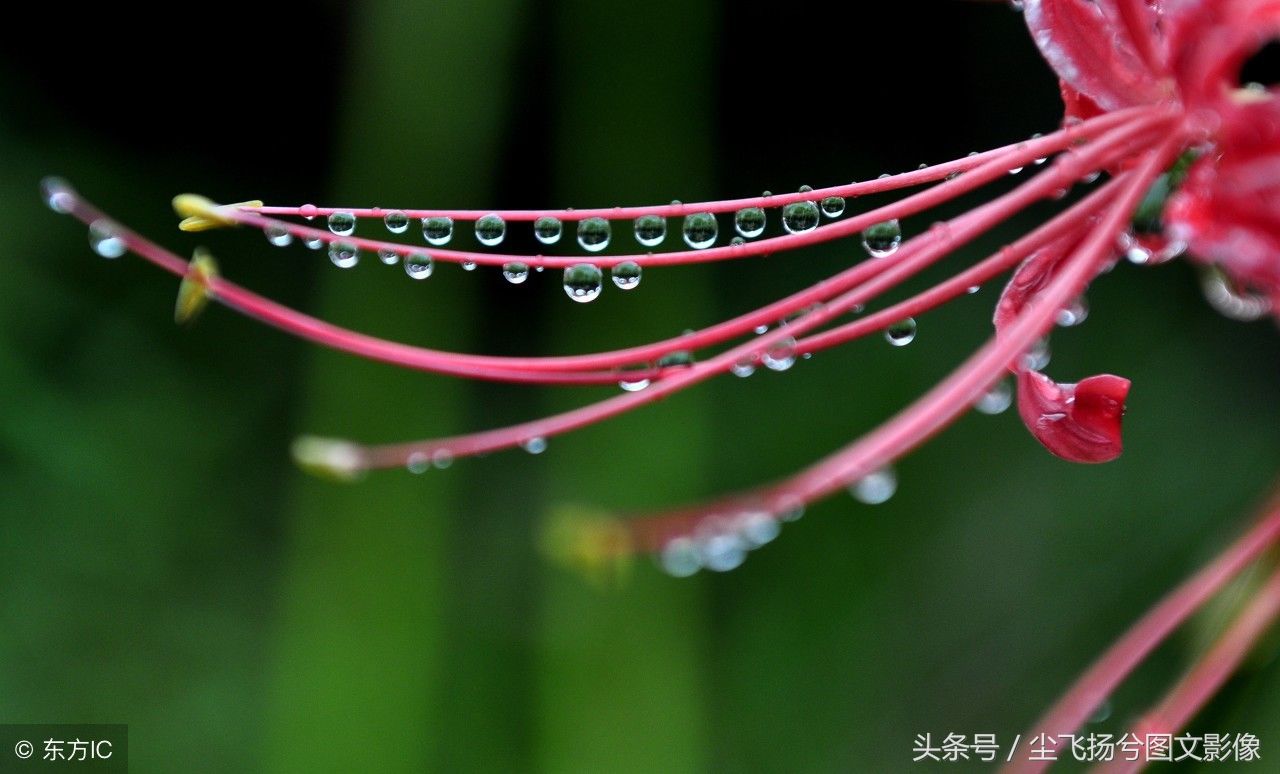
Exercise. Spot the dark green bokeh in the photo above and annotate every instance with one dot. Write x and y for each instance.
(162, 564)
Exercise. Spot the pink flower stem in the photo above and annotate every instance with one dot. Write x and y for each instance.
(1106, 674)
(910, 261)
(1021, 155)
(944, 403)
(884, 184)
(1203, 681)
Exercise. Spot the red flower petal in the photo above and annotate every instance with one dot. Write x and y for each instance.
(1209, 40)
(1078, 106)
(1228, 209)
(1078, 422)
(1089, 47)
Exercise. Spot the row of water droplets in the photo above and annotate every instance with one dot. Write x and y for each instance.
(584, 282)
(722, 543)
(104, 236)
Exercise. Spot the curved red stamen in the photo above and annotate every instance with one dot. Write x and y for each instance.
(979, 174)
(928, 174)
(909, 261)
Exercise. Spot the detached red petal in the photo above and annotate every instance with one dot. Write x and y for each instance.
(1089, 47)
(1077, 422)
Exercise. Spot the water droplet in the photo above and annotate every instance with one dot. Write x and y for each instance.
(308, 211)
(996, 400)
(901, 333)
(388, 256)
(278, 235)
(418, 463)
(833, 206)
(467, 265)
(882, 239)
(722, 551)
(678, 359)
(799, 217)
(396, 222)
(1016, 170)
(342, 223)
(419, 265)
(633, 385)
(680, 558)
(1037, 358)
(1102, 712)
(547, 230)
(442, 458)
(761, 330)
(313, 243)
(583, 282)
(875, 488)
(344, 254)
(750, 222)
(700, 230)
(1138, 254)
(594, 234)
(534, 445)
(626, 275)
(744, 367)
(1076, 313)
(57, 194)
(490, 230)
(1042, 159)
(1229, 300)
(650, 230)
(790, 509)
(973, 289)
(104, 238)
(437, 230)
(758, 528)
(781, 356)
(805, 189)
(516, 272)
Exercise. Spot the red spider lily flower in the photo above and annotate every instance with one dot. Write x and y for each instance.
(1149, 87)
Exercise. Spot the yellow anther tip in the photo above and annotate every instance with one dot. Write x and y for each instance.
(201, 214)
(329, 458)
(596, 545)
(194, 292)
(1251, 94)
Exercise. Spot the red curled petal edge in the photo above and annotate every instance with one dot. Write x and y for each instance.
(1078, 422)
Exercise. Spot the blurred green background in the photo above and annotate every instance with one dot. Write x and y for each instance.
(162, 564)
